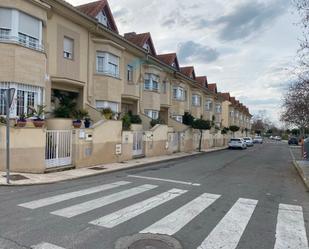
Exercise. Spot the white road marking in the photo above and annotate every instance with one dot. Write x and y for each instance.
(132, 211)
(67, 196)
(44, 245)
(229, 230)
(165, 180)
(101, 202)
(173, 222)
(290, 230)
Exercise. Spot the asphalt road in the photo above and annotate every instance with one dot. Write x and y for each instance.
(226, 199)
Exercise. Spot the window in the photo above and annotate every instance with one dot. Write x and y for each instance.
(151, 82)
(107, 64)
(232, 113)
(102, 18)
(25, 96)
(68, 45)
(218, 108)
(130, 73)
(179, 93)
(208, 105)
(178, 118)
(147, 47)
(152, 114)
(164, 87)
(21, 28)
(100, 104)
(196, 100)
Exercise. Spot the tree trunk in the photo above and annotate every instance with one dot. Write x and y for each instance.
(200, 142)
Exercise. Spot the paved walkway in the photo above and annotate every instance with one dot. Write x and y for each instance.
(32, 179)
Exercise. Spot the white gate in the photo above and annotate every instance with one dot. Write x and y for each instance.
(58, 151)
(138, 144)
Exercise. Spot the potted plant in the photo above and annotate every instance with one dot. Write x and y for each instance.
(79, 115)
(87, 122)
(38, 113)
(107, 113)
(22, 120)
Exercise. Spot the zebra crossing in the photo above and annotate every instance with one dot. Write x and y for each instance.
(290, 226)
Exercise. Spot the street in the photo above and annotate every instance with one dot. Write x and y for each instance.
(226, 199)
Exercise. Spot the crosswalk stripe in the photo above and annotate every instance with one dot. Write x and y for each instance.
(290, 230)
(173, 222)
(67, 196)
(44, 245)
(229, 230)
(132, 211)
(100, 202)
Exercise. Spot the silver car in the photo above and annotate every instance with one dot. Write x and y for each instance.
(237, 143)
(258, 140)
(248, 141)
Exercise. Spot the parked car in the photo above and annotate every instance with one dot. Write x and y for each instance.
(277, 138)
(293, 140)
(237, 143)
(248, 141)
(271, 137)
(258, 140)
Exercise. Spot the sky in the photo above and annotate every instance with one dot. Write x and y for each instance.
(247, 47)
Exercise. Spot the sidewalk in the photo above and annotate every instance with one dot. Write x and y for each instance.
(32, 179)
(303, 170)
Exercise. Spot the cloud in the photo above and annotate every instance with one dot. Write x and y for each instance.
(191, 51)
(247, 19)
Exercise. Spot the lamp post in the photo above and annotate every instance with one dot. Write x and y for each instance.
(8, 101)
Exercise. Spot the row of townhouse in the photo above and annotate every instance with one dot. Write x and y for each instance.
(47, 46)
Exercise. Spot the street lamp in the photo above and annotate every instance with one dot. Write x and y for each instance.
(8, 102)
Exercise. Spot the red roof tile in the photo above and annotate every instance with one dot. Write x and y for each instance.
(212, 87)
(140, 40)
(188, 71)
(169, 59)
(92, 9)
(202, 80)
(226, 96)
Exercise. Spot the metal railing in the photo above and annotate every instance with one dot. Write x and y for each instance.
(19, 41)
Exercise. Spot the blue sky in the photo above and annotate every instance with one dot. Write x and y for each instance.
(247, 47)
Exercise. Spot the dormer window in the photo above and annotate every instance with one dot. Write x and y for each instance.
(147, 47)
(102, 18)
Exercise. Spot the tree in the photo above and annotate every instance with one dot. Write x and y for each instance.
(201, 125)
(234, 128)
(187, 119)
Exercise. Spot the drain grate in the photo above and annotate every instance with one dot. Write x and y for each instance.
(98, 168)
(17, 177)
(147, 241)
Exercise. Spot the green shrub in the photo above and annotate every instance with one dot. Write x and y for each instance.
(135, 119)
(187, 119)
(126, 122)
(154, 122)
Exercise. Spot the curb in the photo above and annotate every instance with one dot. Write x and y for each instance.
(301, 174)
(113, 170)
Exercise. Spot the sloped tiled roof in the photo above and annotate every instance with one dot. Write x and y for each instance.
(212, 87)
(169, 59)
(202, 80)
(226, 96)
(92, 9)
(140, 40)
(188, 71)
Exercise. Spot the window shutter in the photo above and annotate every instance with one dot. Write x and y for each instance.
(5, 18)
(29, 25)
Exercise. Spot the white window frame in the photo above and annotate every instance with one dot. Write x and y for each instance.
(196, 100)
(28, 91)
(209, 105)
(110, 65)
(68, 53)
(179, 93)
(218, 108)
(178, 118)
(153, 114)
(102, 18)
(130, 71)
(151, 82)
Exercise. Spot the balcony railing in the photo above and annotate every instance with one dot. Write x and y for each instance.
(24, 42)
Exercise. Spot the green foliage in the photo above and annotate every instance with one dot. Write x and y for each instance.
(66, 104)
(80, 114)
(126, 122)
(234, 128)
(201, 124)
(225, 130)
(154, 122)
(295, 132)
(38, 113)
(187, 119)
(22, 117)
(107, 113)
(2, 120)
(135, 119)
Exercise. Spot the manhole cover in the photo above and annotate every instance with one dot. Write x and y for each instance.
(17, 177)
(147, 241)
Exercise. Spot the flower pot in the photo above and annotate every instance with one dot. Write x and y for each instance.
(77, 124)
(39, 123)
(21, 123)
(87, 123)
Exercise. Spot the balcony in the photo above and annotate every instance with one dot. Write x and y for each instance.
(23, 40)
